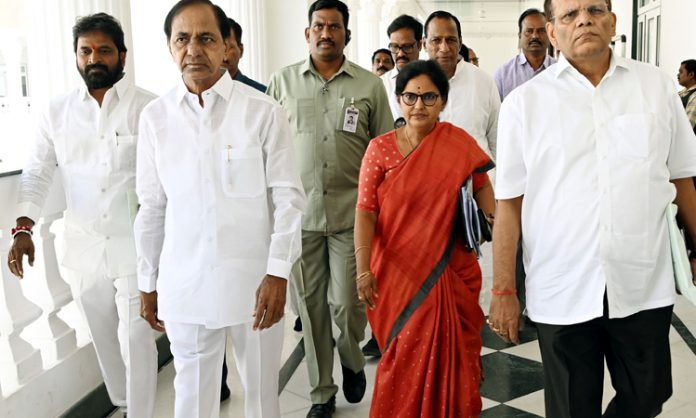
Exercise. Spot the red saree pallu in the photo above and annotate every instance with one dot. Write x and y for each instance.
(430, 333)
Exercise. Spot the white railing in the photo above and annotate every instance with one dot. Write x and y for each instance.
(47, 362)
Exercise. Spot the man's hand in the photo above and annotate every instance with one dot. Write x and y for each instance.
(22, 245)
(270, 302)
(504, 317)
(148, 310)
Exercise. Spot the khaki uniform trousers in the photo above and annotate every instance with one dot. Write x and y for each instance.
(325, 285)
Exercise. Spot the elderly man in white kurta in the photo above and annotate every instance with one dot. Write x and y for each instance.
(90, 135)
(219, 226)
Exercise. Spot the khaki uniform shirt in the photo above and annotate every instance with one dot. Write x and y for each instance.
(329, 156)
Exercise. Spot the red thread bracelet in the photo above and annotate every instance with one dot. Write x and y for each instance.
(503, 292)
(21, 229)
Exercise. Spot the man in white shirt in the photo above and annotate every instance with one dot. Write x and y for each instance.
(405, 43)
(473, 102)
(592, 151)
(219, 224)
(90, 133)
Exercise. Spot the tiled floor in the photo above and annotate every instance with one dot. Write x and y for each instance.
(513, 385)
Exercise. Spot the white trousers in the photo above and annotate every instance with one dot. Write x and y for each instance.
(198, 353)
(124, 342)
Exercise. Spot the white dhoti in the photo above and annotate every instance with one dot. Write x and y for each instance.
(198, 353)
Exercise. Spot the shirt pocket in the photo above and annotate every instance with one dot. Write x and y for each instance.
(632, 140)
(302, 115)
(632, 134)
(126, 152)
(242, 172)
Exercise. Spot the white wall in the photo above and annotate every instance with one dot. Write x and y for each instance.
(286, 21)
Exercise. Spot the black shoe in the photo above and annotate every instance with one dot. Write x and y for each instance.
(371, 349)
(224, 389)
(354, 384)
(224, 393)
(298, 325)
(323, 410)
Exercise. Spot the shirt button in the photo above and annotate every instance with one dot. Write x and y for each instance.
(326, 165)
(105, 216)
(326, 110)
(108, 238)
(325, 192)
(103, 190)
(326, 138)
(210, 239)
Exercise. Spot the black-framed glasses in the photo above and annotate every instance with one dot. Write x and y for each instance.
(569, 16)
(407, 48)
(428, 98)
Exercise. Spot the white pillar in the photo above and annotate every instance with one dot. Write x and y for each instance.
(371, 35)
(45, 287)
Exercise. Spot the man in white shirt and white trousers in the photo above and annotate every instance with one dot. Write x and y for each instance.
(591, 152)
(219, 225)
(90, 133)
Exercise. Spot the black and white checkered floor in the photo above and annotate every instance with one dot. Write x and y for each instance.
(513, 385)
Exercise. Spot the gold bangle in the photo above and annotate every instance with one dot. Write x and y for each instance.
(364, 274)
(362, 247)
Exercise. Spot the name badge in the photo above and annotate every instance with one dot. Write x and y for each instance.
(350, 119)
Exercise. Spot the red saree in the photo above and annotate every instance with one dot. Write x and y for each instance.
(431, 368)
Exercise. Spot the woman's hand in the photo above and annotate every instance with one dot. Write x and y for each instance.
(367, 288)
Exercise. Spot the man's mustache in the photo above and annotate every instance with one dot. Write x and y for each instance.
(91, 67)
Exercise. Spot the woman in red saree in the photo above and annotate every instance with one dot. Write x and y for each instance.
(419, 280)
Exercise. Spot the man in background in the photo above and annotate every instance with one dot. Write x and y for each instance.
(234, 53)
(534, 58)
(405, 43)
(687, 79)
(473, 102)
(381, 62)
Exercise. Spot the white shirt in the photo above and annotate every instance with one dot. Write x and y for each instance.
(473, 105)
(389, 81)
(94, 149)
(221, 202)
(594, 166)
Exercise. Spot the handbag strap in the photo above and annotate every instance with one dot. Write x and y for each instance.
(424, 290)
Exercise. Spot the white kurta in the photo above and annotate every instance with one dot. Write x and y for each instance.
(593, 165)
(221, 202)
(473, 105)
(94, 149)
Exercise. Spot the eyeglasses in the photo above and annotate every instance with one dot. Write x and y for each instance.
(407, 48)
(569, 16)
(428, 98)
